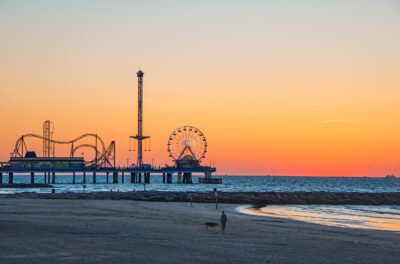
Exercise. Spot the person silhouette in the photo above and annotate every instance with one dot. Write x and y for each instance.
(224, 219)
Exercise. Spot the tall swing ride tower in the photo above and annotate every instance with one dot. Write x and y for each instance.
(139, 136)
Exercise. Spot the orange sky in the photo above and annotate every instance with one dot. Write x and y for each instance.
(277, 88)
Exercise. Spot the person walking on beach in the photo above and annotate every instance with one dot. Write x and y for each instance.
(223, 221)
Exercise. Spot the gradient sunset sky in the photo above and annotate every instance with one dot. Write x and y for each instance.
(278, 87)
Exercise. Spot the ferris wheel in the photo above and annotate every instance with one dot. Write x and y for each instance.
(187, 143)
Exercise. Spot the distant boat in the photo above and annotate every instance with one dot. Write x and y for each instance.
(390, 176)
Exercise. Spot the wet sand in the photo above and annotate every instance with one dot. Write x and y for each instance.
(126, 231)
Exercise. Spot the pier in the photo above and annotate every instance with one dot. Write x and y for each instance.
(111, 175)
(187, 147)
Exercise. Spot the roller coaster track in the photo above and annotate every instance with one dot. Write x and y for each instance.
(105, 157)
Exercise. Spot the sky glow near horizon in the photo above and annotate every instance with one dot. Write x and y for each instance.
(278, 87)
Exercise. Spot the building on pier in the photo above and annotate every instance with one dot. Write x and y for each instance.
(31, 161)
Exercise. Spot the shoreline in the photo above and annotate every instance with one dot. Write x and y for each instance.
(257, 199)
(345, 216)
(126, 231)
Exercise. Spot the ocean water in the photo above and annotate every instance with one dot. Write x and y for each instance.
(347, 216)
(230, 184)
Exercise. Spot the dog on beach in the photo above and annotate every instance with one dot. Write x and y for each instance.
(210, 225)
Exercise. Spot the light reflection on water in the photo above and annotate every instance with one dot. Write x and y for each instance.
(351, 216)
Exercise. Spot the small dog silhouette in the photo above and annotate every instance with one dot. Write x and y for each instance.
(210, 225)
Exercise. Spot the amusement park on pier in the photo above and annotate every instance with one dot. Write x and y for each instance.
(187, 147)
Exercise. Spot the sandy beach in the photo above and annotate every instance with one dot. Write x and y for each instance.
(125, 231)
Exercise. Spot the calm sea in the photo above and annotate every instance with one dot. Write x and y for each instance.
(230, 183)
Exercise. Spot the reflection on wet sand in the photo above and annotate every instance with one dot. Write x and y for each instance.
(350, 216)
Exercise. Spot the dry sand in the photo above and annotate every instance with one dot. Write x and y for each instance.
(107, 231)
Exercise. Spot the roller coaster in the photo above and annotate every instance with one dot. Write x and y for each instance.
(104, 156)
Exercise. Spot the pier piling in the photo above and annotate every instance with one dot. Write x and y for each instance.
(53, 177)
(187, 177)
(84, 178)
(123, 177)
(73, 178)
(133, 177)
(32, 177)
(1, 178)
(115, 177)
(107, 176)
(169, 177)
(94, 178)
(10, 178)
(179, 177)
(147, 177)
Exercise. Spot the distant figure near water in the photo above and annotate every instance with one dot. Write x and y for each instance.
(223, 221)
